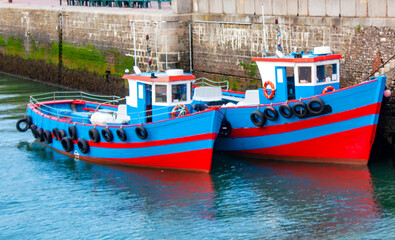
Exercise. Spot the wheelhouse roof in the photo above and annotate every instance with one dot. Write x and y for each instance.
(159, 77)
(305, 58)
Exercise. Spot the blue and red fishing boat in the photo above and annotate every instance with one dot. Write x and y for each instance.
(157, 127)
(300, 113)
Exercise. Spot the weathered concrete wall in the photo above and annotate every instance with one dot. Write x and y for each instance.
(333, 8)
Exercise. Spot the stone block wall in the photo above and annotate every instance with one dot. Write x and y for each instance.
(223, 47)
(107, 32)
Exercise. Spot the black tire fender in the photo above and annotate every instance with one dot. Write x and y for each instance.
(47, 137)
(40, 134)
(226, 128)
(107, 134)
(257, 118)
(313, 109)
(303, 112)
(29, 120)
(94, 135)
(67, 144)
(22, 121)
(83, 146)
(270, 113)
(141, 132)
(122, 134)
(34, 130)
(61, 134)
(73, 132)
(55, 133)
(285, 110)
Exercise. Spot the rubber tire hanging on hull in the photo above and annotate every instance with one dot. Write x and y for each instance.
(121, 134)
(47, 137)
(40, 134)
(315, 110)
(61, 134)
(34, 130)
(83, 146)
(55, 133)
(141, 132)
(107, 134)
(302, 113)
(257, 118)
(283, 110)
(226, 128)
(67, 144)
(94, 135)
(73, 132)
(270, 113)
(22, 129)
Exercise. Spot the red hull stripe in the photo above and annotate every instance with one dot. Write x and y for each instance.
(159, 79)
(206, 136)
(351, 147)
(198, 160)
(288, 127)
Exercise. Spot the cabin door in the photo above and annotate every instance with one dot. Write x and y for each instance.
(148, 102)
(290, 83)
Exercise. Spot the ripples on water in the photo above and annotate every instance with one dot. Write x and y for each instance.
(45, 195)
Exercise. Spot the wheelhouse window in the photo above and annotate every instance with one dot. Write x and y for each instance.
(304, 75)
(160, 93)
(179, 93)
(326, 73)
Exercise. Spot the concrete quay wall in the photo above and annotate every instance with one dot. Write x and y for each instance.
(319, 8)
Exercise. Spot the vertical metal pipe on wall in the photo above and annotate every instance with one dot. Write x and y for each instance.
(190, 48)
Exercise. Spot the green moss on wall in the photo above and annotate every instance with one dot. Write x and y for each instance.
(2, 41)
(86, 58)
(15, 47)
(250, 68)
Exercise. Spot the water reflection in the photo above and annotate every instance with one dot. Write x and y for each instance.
(145, 190)
(316, 196)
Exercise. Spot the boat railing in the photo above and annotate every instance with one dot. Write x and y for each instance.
(64, 95)
(224, 84)
(65, 113)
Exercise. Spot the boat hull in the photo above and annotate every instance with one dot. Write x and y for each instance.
(345, 134)
(184, 143)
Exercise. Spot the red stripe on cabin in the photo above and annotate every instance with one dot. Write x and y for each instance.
(159, 79)
(299, 60)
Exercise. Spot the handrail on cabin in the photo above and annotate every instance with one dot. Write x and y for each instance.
(212, 83)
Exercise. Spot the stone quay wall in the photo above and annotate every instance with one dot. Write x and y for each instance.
(109, 34)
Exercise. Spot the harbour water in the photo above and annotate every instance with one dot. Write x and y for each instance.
(45, 195)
